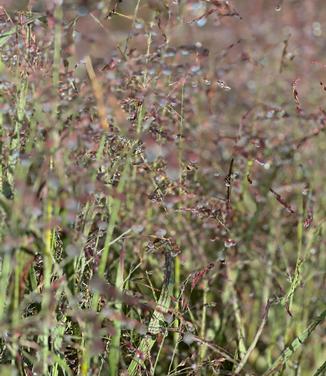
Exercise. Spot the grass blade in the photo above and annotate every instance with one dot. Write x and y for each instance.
(114, 354)
(295, 345)
(155, 324)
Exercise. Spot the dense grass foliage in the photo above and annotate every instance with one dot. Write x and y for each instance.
(162, 196)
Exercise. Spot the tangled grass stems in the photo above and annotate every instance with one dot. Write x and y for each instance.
(130, 136)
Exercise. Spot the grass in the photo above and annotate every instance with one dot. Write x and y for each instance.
(162, 205)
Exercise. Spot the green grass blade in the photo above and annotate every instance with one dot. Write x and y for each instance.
(321, 370)
(295, 345)
(4, 282)
(114, 354)
(4, 38)
(155, 324)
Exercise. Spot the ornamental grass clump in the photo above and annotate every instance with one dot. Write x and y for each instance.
(162, 206)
